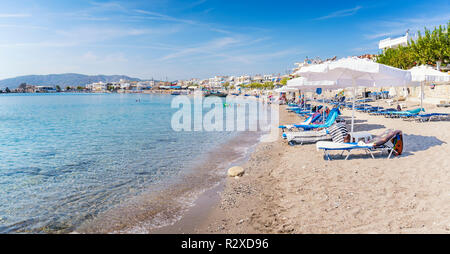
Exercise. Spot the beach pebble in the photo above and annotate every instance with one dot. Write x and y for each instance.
(235, 171)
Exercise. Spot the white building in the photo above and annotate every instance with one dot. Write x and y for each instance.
(395, 42)
(244, 79)
(268, 78)
(216, 82)
(124, 85)
(144, 85)
(98, 86)
(45, 89)
(258, 78)
(193, 81)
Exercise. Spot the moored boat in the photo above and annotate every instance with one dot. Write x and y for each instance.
(215, 93)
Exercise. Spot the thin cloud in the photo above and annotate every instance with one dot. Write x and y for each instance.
(47, 44)
(108, 6)
(94, 14)
(14, 15)
(398, 27)
(244, 57)
(197, 3)
(162, 17)
(341, 13)
(207, 48)
(90, 36)
(159, 16)
(24, 27)
(208, 10)
(94, 58)
(377, 35)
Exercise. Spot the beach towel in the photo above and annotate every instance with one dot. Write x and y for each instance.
(338, 132)
(391, 137)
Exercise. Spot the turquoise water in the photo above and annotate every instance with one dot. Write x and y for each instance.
(64, 158)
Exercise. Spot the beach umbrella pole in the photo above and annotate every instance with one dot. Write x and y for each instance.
(323, 109)
(421, 95)
(353, 102)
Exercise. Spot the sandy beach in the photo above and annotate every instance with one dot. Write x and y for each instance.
(292, 189)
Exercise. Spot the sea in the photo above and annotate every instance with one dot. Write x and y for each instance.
(105, 163)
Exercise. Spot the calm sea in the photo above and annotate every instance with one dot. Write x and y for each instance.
(68, 160)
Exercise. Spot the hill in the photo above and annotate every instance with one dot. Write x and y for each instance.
(68, 79)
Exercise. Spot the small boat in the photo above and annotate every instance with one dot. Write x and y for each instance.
(216, 93)
(175, 93)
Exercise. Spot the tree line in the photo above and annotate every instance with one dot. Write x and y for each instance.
(267, 85)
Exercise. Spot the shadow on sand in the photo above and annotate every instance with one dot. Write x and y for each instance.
(368, 127)
(416, 143)
(348, 119)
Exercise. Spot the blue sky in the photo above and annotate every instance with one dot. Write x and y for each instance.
(200, 38)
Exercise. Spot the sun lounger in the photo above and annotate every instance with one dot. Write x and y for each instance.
(382, 111)
(390, 141)
(430, 117)
(330, 120)
(369, 109)
(336, 133)
(407, 113)
(306, 137)
(311, 119)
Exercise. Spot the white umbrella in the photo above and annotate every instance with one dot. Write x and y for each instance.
(285, 89)
(302, 83)
(423, 73)
(356, 72)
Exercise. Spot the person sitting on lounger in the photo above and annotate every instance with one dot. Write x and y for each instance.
(390, 141)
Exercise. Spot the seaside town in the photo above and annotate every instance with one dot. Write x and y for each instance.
(248, 85)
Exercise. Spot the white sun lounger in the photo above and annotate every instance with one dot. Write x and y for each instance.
(344, 147)
(390, 141)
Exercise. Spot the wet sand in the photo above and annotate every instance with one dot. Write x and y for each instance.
(292, 189)
(179, 206)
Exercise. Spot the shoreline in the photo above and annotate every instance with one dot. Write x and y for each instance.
(204, 202)
(172, 208)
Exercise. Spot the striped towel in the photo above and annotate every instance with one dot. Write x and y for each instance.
(338, 132)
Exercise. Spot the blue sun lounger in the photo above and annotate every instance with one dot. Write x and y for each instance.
(311, 119)
(382, 111)
(431, 116)
(330, 120)
(407, 113)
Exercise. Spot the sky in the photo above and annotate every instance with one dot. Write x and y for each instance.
(173, 39)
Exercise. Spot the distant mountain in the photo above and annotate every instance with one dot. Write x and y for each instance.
(68, 79)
